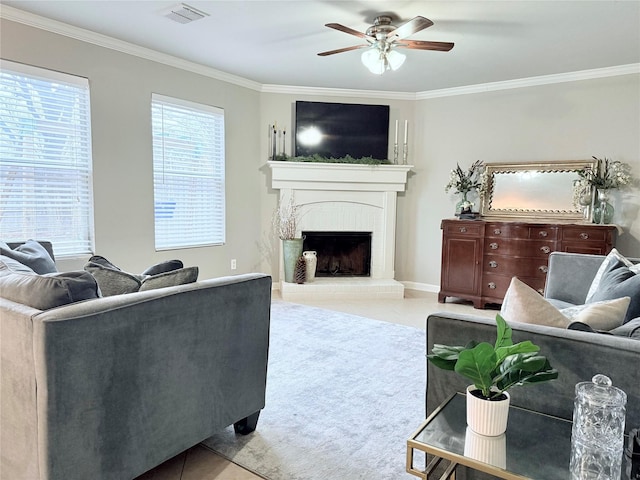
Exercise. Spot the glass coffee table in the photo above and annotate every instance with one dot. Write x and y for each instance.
(535, 446)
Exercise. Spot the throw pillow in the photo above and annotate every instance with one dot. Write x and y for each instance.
(604, 315)
(619, 281)
(170, 279)
(614, 257)
(163, 267)
(111, 280)
(45, 291)
(630, 329)
(31, 254)
(523, 304)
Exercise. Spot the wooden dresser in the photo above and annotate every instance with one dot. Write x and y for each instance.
(479, 257)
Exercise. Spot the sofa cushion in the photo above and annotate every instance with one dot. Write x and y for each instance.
(163, 267)
(523, 304)
(31, 254)
(170, 279)
(112, 280)
(617, 281)
(603, 315)
(45, 291)
(614, 257)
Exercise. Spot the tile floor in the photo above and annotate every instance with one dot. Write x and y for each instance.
(199, 463)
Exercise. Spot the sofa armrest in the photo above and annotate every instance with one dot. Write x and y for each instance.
(570, 275)
(577, 356)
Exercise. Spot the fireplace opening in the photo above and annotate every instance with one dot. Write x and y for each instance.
(340, 253)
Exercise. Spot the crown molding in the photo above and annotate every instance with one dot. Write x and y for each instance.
(98, 39)
(633, 68)
(337, 92)
(54, 26)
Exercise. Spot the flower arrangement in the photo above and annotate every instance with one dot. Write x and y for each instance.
(607, 174)
(464, 182)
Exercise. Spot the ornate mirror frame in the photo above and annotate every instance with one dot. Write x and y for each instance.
(532, 190)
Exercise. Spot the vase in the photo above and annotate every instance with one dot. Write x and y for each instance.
(487, 417)
(291, 251)
(311, 259)
(463, 204)
(602, 210)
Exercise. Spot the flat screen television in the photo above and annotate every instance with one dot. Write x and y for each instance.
(335, 130)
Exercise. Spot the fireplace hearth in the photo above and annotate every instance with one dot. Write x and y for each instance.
(340, 253)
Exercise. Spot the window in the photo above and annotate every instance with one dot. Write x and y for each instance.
(45, 158)
(188, 173)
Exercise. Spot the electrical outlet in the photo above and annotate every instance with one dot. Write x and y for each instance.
(233, 264)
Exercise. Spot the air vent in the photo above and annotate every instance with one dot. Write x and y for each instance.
(183, 13)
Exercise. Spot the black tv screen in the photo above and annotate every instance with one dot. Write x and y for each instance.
(335, 130)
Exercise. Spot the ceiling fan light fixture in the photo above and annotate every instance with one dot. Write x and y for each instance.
(395, 59)
(374, 60)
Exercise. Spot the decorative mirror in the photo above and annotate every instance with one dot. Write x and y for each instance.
(532, 190)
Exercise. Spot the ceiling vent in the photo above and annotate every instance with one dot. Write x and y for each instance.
(183, 13)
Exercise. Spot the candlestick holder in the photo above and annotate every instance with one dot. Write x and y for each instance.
(395, 153)
(405, 154)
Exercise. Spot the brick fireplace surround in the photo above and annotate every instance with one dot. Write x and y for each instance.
(345, 197)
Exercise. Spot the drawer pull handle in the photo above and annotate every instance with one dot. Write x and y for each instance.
(491, 285)
(463, 229)
(543, 268)
(584, 236)
(545, 249)
(497, 231)
(493, 246)
(543, 233)
(493, 264)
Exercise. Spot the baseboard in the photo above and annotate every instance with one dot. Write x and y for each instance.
(421, 287)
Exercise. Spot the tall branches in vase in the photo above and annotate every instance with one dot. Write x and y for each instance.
(285, 222)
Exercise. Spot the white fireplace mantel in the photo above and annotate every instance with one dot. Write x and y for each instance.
(346, 197)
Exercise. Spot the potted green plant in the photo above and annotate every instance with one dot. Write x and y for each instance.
(493, 369)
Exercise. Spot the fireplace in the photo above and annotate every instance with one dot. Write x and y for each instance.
(340, 253)
(344, 199)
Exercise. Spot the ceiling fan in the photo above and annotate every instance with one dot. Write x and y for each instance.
(383, 38)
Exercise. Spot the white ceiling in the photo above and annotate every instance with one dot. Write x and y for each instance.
(276, 42)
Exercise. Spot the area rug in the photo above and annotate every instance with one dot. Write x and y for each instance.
(343, 395)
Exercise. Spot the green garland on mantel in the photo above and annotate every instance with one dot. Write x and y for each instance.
(318, 159)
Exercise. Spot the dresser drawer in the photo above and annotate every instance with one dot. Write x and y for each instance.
(527, 232)
(526, 267)
(462, 229)
(574, 234)
(520, 248)
(497, 285)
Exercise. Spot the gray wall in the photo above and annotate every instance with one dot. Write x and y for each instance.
(563, 121)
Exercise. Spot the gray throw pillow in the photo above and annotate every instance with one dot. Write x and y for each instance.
(111, 280)
(170, 279)
(619, 281)
(31, 254)
(630, 329)
(45, 291)
(163, 267)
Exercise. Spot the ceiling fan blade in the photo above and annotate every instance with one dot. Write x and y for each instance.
(340, 50)
(422, 45)
(351, 31)
(412, 26)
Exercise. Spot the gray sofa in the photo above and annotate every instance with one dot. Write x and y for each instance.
(577, 355)
(111, 387)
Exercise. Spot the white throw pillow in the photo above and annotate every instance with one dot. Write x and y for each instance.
(603, 315)
(525, 305)
(613, 256)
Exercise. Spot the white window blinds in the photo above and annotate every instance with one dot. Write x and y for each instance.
(45, 158)
(188, 173)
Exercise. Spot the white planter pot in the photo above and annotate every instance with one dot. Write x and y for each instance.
(487, 417)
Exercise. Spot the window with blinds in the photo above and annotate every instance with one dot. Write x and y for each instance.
(45, 158)
(188, 173)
